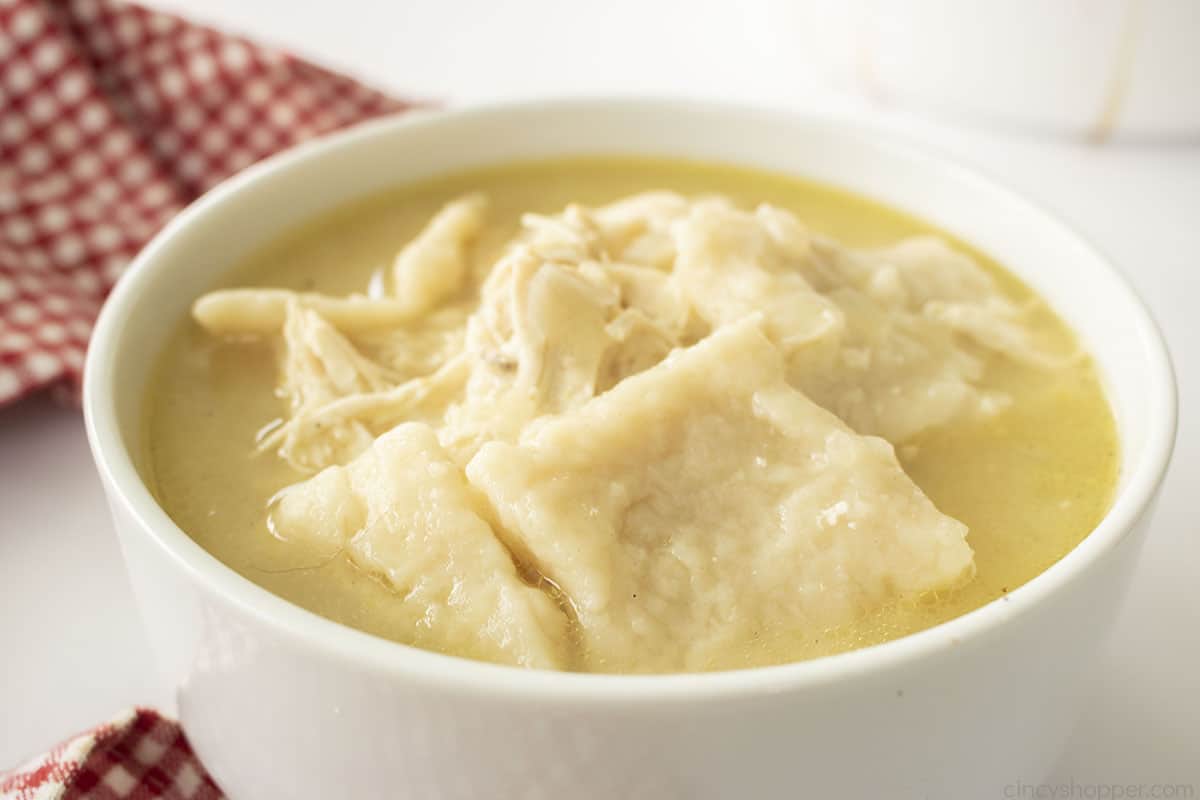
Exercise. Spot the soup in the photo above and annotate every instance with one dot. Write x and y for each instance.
(708, 340)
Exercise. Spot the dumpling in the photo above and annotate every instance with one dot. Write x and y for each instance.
(435, 264)
(402, 511)
(705, 501)
(730, 265)
(892, 341)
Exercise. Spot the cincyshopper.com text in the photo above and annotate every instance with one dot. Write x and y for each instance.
(1099, 791)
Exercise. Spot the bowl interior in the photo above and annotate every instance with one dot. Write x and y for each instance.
(202, 243)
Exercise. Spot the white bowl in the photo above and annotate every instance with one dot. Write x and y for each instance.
(279, 702)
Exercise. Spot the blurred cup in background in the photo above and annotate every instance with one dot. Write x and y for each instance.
(1100, 69)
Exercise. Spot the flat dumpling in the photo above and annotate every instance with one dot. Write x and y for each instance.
(705, 501)
(402, 511)
(893, 341)
(952, 289)
(729, 264)
(891, 373)
(434, 265)
(920, 321)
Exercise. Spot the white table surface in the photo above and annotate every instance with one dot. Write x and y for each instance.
(71, 648)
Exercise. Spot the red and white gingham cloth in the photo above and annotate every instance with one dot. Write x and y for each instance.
(112, 119)
(137, 756)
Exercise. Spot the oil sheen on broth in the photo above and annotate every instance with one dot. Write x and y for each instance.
(1029, 481)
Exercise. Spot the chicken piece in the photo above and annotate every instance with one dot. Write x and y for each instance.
(319, 366)
(638, 229)
(332, 433)
(433, 266)
(598, 244)
(402, 511)
(559, 322)
(419, 347)
(571, 236)
(704, 501)
(633, 230)
(537, 344)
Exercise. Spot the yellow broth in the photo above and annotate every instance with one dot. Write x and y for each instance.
(1029, 482)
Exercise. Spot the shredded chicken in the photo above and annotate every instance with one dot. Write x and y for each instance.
(321, 366)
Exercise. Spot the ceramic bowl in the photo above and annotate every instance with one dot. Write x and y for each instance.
(279, 702)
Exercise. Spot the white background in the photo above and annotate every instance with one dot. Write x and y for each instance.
(71, 649)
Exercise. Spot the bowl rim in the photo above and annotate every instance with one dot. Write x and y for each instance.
(462, 675)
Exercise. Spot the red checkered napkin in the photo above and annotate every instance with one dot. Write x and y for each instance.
(112, 118)
(137, 756)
